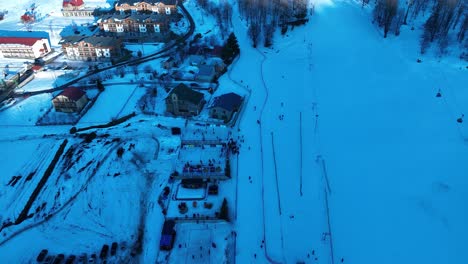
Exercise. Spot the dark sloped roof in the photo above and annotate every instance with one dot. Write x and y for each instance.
(187, 94)
(132, 2)
(137, 16)
(229, 101)
(95, 41)
(72, 93)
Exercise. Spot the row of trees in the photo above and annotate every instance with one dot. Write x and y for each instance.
(446, 23)
(264, 16)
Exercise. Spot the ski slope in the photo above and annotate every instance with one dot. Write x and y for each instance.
(376, 141)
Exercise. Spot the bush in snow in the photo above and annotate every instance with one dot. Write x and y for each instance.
(120, 152)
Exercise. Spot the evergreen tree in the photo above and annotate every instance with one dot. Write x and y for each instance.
(223, 212)
(99, 85)
(231, 49)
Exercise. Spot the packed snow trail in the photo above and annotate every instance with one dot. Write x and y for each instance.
(250, 243)
(389, 142)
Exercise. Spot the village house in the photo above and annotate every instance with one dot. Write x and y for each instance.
(224, 106)
(75, 8)
(183, 101)
(134, 23)
(206, 73)
(70, 100)
(91, 48)
(167, 7)
(24, 44)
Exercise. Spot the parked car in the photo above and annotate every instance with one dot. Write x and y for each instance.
(59, 259)
(113, 248)
(104, 251)
(82, 258)
(42, 255)
(194, 85)
(70, 259)
(167, 235)
(92, 259)
(123, 245)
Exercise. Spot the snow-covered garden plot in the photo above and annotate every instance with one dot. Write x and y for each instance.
(112, 103)
(52, 117)
(26, 111)
(183, 193)
(152, 102)
(201, 243)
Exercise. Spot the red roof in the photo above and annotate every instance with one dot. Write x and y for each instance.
(23, 41)
(73, 93)
(72, 2)
(36, 67)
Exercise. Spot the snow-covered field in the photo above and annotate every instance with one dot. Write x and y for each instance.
(346, 156)
(114, 102)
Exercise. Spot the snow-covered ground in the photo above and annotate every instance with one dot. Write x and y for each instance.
(388, 153)
(201, 243)
(346, 155)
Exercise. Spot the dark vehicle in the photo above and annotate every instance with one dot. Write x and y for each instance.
(194, 85)
(123, 245)
(82, 258)
(59, 259)
(167, 235)
(49, 260)
(166, 191)
(113, 248)
(42, 255)
(175, 131)
(70, 259)
(104, 251)
(92, 259)
(213, 189)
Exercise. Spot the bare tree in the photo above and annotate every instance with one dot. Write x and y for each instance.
(254, 32)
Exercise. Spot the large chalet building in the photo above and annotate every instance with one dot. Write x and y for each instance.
(183, 101)
(136, 23)
(167, 7)
(24, 44)
(91, 48)
(75, 8)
